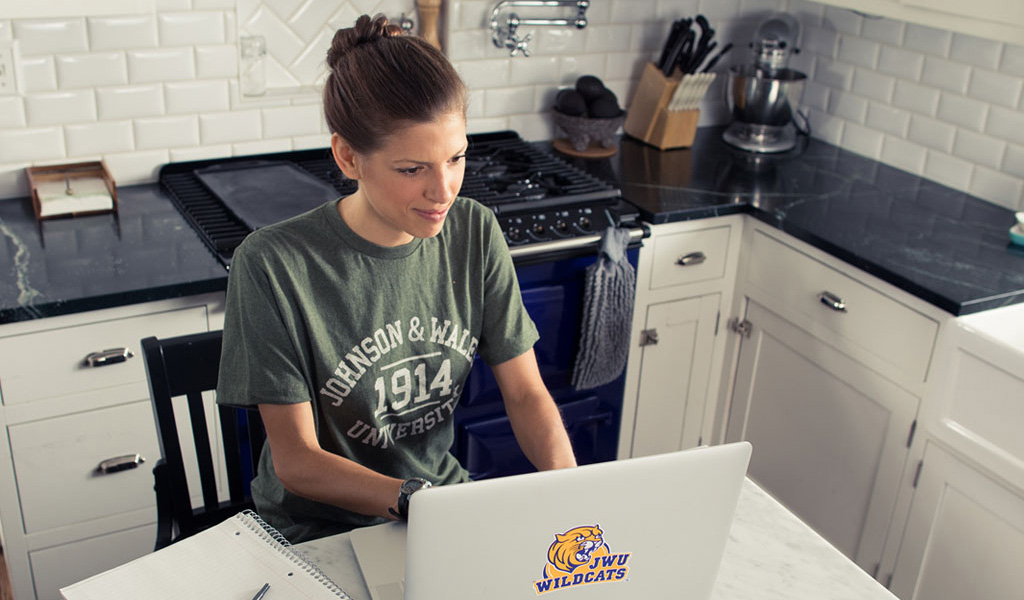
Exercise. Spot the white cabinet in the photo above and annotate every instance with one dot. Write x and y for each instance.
(827, 382)
(684, 277)
(964, 537)
(62, 518)
(992, 19)
(964, 533)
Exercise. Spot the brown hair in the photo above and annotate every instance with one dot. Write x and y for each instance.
(381, 80)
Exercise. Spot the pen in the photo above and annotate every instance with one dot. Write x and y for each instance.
(263, 592)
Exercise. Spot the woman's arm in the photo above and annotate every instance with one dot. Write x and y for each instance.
(307, 470)
(531, 409)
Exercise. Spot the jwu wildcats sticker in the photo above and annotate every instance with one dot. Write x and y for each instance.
(581, 557)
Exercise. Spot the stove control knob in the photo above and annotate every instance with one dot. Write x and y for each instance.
(515, 234)
(584, 223)
(562, 227)
(539, 229)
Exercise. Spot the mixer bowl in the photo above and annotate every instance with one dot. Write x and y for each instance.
(762, 97)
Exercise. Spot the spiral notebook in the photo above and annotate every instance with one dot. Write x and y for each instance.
(229, 561)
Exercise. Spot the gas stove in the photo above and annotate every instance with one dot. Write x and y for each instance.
(543, 203)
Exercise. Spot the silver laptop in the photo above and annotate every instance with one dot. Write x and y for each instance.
(651, 527)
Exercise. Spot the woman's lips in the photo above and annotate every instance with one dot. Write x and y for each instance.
(433, 215)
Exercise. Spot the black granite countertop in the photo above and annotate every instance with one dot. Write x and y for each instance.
(147, 251)
(941, 245)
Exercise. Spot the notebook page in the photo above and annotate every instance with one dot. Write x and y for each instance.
(230, 561)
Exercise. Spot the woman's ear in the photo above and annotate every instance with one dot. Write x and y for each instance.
(345, 157)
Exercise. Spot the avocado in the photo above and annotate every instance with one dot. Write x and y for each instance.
(570, 102)
(604, 106)
(590, 87)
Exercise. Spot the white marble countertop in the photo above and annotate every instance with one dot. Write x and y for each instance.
(771, 555)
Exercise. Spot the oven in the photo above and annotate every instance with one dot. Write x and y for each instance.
(552, 214)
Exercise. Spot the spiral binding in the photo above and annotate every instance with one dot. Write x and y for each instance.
(272, 536)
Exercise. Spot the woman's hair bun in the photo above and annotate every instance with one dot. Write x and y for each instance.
(367, 30)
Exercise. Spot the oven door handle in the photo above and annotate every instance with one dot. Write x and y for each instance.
(635, 235)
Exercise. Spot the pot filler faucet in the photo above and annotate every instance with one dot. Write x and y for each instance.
(504, 35)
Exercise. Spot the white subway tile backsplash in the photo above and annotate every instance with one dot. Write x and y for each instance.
(472, 14)
(1006, 124)
(309, 18)
(1013, 164)
(38, 74)
(945, 74)
(99, 138)
(196, 97)
(191, 28)
(121, 32)
(571, 68)
(261, 147)
(873, 85)
(163, 64)
(915, 97)
(904, 154)
(625, 65)
(167, 132)
(904, 64)
(862, 140)
(609, 38)
(13, 180)
(126, 102)
(927, 39)
(130, 168)
(960, 110)
(469, 45)
(718, 9)
(887, 31)
(506, 101)
(975, 51)
(556, 40)
(483, 74)
(631, 11)
(815, 95)
(538, 71)
(997, 187)
(475, 109)
(948, 170)
(834, 74)
(931, 133)
(213, 4)
(282, 43)
(31, 144)
(5, 30)
(533, 127)
(287, 121)
(858, 51)
(842, 20)
(1012, 61)
(12, 112)
(310, 142)
(820, 41)
(825, 126)
(483, 125)
(91, 70)
(200, 153)
(51, 36)
(168, 5)
(995, 88)
(848, 106)
(887, 119)
(978, 148)
(56, 108)
(230, 127)
(216, 62)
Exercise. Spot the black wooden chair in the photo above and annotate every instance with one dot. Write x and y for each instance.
(187, 366)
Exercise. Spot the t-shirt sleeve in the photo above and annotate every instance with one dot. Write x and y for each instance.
(508, 330)
(260, 361)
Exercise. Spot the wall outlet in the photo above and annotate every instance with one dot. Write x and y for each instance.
(8, 80)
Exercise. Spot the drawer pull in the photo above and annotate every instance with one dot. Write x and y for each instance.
(120, 463)
(693, 258)
(107, 357)
(832, 301)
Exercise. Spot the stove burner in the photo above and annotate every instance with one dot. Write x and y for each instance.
(504, 172)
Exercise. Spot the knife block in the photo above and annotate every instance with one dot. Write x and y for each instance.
(649, 119)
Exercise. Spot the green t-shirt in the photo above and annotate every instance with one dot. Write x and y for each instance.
(379, 339)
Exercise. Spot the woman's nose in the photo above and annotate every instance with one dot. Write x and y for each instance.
(444, 186)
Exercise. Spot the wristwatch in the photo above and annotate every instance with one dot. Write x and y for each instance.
(409, 487)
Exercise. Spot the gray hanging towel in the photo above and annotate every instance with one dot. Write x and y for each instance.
(607, 314)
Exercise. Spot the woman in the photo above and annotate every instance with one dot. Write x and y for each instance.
(354, 326)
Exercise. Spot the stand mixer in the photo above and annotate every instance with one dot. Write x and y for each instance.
(763, 96)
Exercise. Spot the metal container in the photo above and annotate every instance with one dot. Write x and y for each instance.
(761, 97)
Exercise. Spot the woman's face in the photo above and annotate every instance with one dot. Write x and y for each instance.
(407, 186)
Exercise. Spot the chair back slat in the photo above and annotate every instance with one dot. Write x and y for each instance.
(188, 366)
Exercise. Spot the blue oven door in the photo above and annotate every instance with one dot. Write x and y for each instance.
(553, 293)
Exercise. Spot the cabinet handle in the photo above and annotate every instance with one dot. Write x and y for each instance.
(693, 258)
(120, 463)
(832, 301)
(107, 357)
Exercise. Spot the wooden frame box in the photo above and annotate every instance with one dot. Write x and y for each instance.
(71, 190)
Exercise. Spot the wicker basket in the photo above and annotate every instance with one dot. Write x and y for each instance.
(582, 130)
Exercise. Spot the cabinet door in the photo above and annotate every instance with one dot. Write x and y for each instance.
(674, 375)
(829, 435)
(964, 537)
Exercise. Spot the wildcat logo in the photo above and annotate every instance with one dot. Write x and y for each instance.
(580, 557)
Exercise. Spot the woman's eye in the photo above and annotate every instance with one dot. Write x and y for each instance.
(459, 158)
(409, 170)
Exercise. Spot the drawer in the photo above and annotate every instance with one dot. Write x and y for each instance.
(49, 364)
(55, 463)
(60, 566)
(688, 257)
(887, 329)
